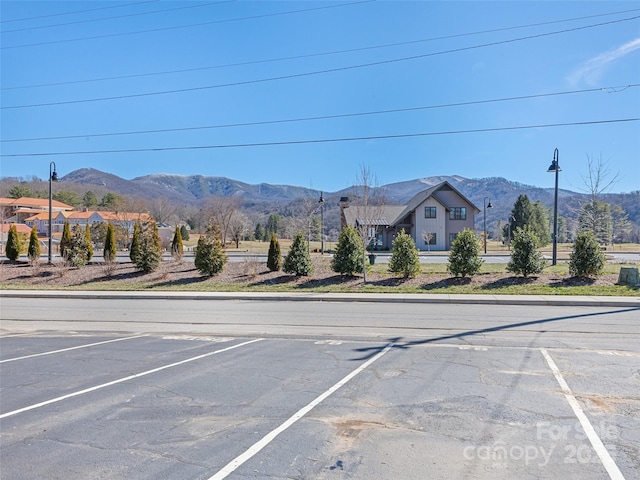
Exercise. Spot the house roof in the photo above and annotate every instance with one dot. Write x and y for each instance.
(421, 197)
(20, 228)
(45, 216)
(41, 203)
(384, 215)
(105, 216)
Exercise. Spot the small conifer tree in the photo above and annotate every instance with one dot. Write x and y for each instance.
(210, 258)
(177, 249)
(134, 249)
(184, 232)
(404, 256)
(525, 258)
(464, 258)
(298, 260)
(34, 246)
(76, 252)
(258, 233)
(65, 241)
(274, 258)
(87, 235)
(587, 259)
(13, 244)
(109, 252)
(347, 259)
(149, 255)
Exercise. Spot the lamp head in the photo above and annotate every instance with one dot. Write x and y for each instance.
(489, 205)
(321, 201)
(54, 176)
(554, 167)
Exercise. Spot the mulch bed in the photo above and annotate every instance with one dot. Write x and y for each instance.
(175, 273)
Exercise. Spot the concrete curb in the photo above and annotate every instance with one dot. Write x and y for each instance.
(548, 300)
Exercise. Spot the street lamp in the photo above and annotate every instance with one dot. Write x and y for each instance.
(555, 167)
(512, 219)
(484, 223)
(53, 177)
(321, 202)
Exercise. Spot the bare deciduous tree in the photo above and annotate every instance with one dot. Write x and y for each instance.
(368, 209)
(219, 211)
(427, 237)
(596, 181)
(162, 209)
(238, 227)
(596, 216)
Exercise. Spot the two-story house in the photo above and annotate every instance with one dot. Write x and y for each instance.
(433, 218)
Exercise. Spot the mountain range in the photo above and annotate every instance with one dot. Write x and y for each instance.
(191, 190)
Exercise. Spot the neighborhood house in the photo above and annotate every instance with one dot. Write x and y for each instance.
(433, 218)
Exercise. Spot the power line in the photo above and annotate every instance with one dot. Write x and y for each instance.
(318, 72)
(318, 54)
(116, 17)
(76, 11)
(213, 22)
(614, 89)
(325, 140)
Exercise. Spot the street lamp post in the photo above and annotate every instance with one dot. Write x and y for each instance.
(321, 202)
(511, 219)
(555, 167)
(484, 223)
(53, 177)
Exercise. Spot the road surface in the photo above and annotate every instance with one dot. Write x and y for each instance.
(213, 389)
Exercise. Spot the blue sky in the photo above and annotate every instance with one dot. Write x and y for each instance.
(396, 83)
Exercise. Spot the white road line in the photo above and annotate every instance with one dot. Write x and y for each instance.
(598, 446)
(130, 377)
(68, 349)
(269, 437)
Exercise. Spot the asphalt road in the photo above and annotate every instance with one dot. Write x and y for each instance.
(381, 257)
(200, 389)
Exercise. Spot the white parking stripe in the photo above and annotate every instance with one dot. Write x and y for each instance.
(130, 377)
(598, 446)
(269, 437)
(68, 349)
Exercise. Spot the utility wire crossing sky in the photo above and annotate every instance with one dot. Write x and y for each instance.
(304, 93)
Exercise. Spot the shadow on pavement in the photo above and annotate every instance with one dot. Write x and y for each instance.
(395, 342)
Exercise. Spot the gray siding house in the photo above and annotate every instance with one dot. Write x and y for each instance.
(433, 218)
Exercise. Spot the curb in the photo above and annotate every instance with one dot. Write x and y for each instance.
(523, 300)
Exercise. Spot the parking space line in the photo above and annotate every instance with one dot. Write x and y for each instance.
(68, 349)
(120, 380)
(269, 437)
(608, 463)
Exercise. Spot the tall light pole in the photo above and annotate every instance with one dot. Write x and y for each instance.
(555, 167)
(484, 223)
(511, 219)
(321, 202)
(53, 177)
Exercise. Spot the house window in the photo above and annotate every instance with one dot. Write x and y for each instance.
(452, 237)
(429, 212)
(458, 213)
(429, 238)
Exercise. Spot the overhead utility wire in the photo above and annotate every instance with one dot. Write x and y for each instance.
(324, 140)
(615, 89)
(76, 11)
(117, 17)
(319, 72)
(319, 54)
(213, 22)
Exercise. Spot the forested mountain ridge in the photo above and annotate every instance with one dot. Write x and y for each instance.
(191, 191)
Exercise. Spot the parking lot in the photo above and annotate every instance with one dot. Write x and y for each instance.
(78, 405)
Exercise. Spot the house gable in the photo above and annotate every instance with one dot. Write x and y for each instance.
(450, 212)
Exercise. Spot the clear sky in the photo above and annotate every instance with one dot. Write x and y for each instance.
(409, 89)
